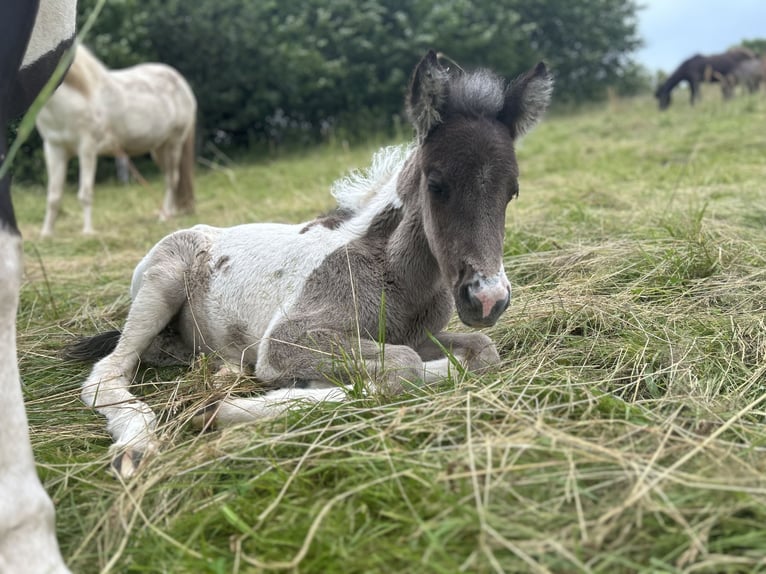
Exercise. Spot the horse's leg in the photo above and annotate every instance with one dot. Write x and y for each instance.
(322, 376)
(88, 160)
(168, 157)
(474, 351)
(693, 89)
(27, 524)
(56, 159)
(236, 410)
(159, 298)
(326, 361)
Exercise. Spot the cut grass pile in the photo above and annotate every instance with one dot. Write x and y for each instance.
(624, 431)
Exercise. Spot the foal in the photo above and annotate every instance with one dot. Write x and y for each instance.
(420, 234)
(33, 38)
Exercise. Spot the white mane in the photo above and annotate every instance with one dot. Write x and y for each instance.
(357, 189)
(86, 72)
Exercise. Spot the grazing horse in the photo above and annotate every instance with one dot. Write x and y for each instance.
(369, 289)
(749, 74)
(34, 36)
(97, 111)
(698, 68)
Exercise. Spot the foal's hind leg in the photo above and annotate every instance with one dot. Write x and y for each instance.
(325, 361)
(160, 297)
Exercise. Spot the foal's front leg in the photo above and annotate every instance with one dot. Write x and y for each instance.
(323, 361)
(476, 352)
(315, 368)
(161, 295)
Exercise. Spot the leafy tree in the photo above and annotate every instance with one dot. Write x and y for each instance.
(757, 45)
(276, 70)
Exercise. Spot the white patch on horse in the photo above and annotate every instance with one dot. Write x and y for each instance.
(53, 24)
(27, 528)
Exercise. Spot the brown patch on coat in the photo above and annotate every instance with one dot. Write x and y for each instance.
(332, 220)
(220, 265)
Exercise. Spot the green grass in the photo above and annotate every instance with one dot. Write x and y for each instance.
(624, 431)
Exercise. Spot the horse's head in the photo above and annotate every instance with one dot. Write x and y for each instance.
(466, 126)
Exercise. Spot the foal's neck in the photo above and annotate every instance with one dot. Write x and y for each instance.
(409, 254)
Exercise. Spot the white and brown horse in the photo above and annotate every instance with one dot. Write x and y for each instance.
(148, 108)
(375, 284)
(34, 36)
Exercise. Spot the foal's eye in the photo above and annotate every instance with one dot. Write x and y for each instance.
(437, 188)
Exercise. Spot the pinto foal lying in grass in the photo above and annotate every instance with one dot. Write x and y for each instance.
(418, 235)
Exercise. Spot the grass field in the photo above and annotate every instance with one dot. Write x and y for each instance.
(623, 433)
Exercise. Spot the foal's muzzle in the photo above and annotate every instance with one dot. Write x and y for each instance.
(481, 300)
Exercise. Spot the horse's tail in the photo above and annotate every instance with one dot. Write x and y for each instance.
(91, 349)
(184, 192)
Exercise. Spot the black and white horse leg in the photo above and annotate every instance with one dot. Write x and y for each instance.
(27, 529)
(56, 159)
(27, 526)
(159, 298)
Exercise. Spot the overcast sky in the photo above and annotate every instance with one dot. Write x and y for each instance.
(673, 30)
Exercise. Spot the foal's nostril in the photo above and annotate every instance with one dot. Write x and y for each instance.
(467, 294)
(486, 302)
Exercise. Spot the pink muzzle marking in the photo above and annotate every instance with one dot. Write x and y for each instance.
(490, 292)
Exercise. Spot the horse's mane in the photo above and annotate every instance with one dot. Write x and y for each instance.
(356, 190)
(477, 93)
(85, 72)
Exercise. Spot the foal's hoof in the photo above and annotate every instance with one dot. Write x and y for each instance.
(204, 420)
(126, 463)
(127, 460)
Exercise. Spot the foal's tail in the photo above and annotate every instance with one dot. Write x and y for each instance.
(184, 193)
(91, 349)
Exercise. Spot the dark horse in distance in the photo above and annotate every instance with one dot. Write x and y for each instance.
(698, 69)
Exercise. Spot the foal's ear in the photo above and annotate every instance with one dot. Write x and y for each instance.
(427, 95)
(526, 99)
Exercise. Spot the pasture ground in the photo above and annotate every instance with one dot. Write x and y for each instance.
(624, 432)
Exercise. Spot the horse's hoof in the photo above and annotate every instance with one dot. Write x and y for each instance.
(205, 419)
(126, 463)
(165, 215)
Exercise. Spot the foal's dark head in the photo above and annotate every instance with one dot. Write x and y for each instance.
(466, 125)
